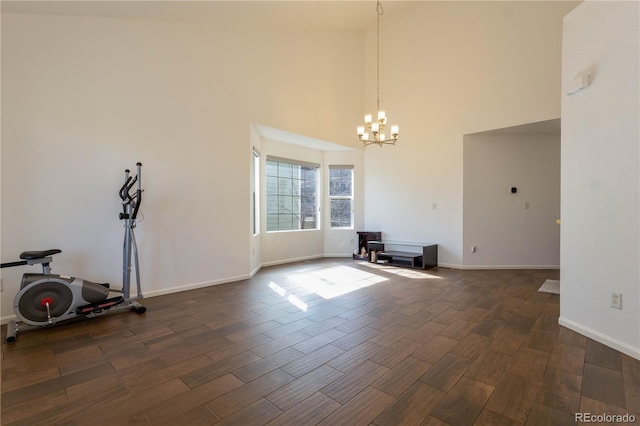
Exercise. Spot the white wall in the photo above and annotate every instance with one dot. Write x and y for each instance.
(449, 69)
(504, 231)
(83, 98)
(600, 232)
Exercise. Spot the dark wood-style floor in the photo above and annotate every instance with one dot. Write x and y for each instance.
(399, 347)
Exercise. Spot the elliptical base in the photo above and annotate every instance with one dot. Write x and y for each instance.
(13, 326)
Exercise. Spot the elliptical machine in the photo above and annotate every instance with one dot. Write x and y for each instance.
(46, 299)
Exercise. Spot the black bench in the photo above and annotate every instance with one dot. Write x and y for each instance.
(427, 259)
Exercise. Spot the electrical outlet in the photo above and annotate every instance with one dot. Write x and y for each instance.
(616, 300)
(434, 206)
(526, 205)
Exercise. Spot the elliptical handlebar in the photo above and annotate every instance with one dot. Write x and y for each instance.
(129, 200)
(138, 195)
(124, 191)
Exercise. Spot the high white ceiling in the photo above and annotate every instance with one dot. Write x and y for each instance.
(303, 14)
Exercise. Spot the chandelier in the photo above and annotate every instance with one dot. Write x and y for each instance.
(374, 132)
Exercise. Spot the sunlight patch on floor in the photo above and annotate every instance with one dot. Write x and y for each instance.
(275, 287)
(403, 272)
(297, 302)
(333, 282)
(291, 299)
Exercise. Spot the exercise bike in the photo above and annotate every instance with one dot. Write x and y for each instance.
(46, 299)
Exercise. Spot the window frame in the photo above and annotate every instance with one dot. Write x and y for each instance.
(255, 191)
(341, 197)
(296, 181)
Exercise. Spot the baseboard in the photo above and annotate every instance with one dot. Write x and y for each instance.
(450, 265)
(292, 260)
(625, 348)
(5, 320)
(255, 271)
(194, 286)
(457, 266)
(510, 267)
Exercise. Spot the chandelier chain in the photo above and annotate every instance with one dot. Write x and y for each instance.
(380, 12)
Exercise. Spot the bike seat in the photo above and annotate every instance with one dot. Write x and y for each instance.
(30, 255)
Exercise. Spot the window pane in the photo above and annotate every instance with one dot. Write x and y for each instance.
(272, 208)
(272, 222)
(341, 197)
(272, 185)
(285, 187)
(308, 173)
(341, 213)
(286, 205)
(340, 182)
(291, 196)
(285, 170)
(286, 222)
(272, 168)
